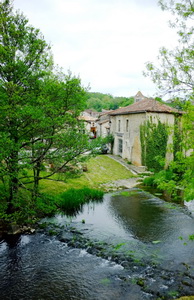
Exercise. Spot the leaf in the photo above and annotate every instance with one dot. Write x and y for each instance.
(156, 242)
(191, 237)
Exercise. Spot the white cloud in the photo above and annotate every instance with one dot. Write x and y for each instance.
(107, 42)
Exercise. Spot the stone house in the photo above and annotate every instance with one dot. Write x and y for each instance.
(103, 123)
(125, 127)
(90, 118)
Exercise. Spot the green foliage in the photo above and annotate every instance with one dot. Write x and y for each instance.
(124, 193)
(174, 73)
(156, 242)
(72, 200)
(99, 101)
(39, 108)
(47, 202)
(149, 181)
(187, 126)
(191, 237)
(154, 138)
(69, 202)
(128, 193)
(105, 281)
(109, 139)
(45, 205)
(177, 137)
(189, 189)
(118, 246)
(97, 145)
(177, 180)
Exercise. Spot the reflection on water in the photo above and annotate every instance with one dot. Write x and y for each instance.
(145, 221)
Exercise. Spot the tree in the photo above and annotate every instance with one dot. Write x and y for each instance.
(175, 73)
(24, 60)
(39, 107)
(57, 134)
(174, 76)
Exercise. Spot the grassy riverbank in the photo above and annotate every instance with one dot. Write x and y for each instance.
(100, 169)
(66, 192)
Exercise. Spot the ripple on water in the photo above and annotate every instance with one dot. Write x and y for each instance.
(39, 267)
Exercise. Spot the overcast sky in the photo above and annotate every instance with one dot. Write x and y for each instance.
(105, 42)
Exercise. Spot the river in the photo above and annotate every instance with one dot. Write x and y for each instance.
(133, 245)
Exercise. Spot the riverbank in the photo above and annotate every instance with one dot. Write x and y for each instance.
(157, 277)
(108, 173)
(144, 270)
(102, 172)
(97, 172)
(138, 174)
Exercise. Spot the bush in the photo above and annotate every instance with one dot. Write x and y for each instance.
(149, 181)
(45, 205)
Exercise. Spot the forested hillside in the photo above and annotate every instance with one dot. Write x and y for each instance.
(99, 101)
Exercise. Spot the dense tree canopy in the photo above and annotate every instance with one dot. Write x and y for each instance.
(39, 108)
(99, 101)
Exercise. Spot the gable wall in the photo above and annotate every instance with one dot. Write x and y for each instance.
(102, 129)
(131, 148)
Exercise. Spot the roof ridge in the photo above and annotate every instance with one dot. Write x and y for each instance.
(147, 104)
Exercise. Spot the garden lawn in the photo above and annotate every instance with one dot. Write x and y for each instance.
(101, 169)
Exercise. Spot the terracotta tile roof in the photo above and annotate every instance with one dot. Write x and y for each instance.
(146, 105)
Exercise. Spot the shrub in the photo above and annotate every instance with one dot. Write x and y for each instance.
(45, 205)
(149, 181)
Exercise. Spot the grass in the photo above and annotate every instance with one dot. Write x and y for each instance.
(186, 298)
(67, 193)
(71, 201)
(101, 169)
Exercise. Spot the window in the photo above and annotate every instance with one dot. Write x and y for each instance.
(127, 125)
(120, 146)
(119, 125)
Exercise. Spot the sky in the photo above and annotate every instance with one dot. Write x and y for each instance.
(105, 42)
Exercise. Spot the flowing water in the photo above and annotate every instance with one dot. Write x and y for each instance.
(148, 254)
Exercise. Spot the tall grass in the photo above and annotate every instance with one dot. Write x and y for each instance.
(72, 200)
(69, 202)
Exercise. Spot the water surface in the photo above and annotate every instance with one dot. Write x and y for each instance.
(40, 267)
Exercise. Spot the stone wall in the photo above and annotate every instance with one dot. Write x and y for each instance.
(126, 130)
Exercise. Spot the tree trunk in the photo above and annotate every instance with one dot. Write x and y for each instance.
(36, 171)
(13, 181)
